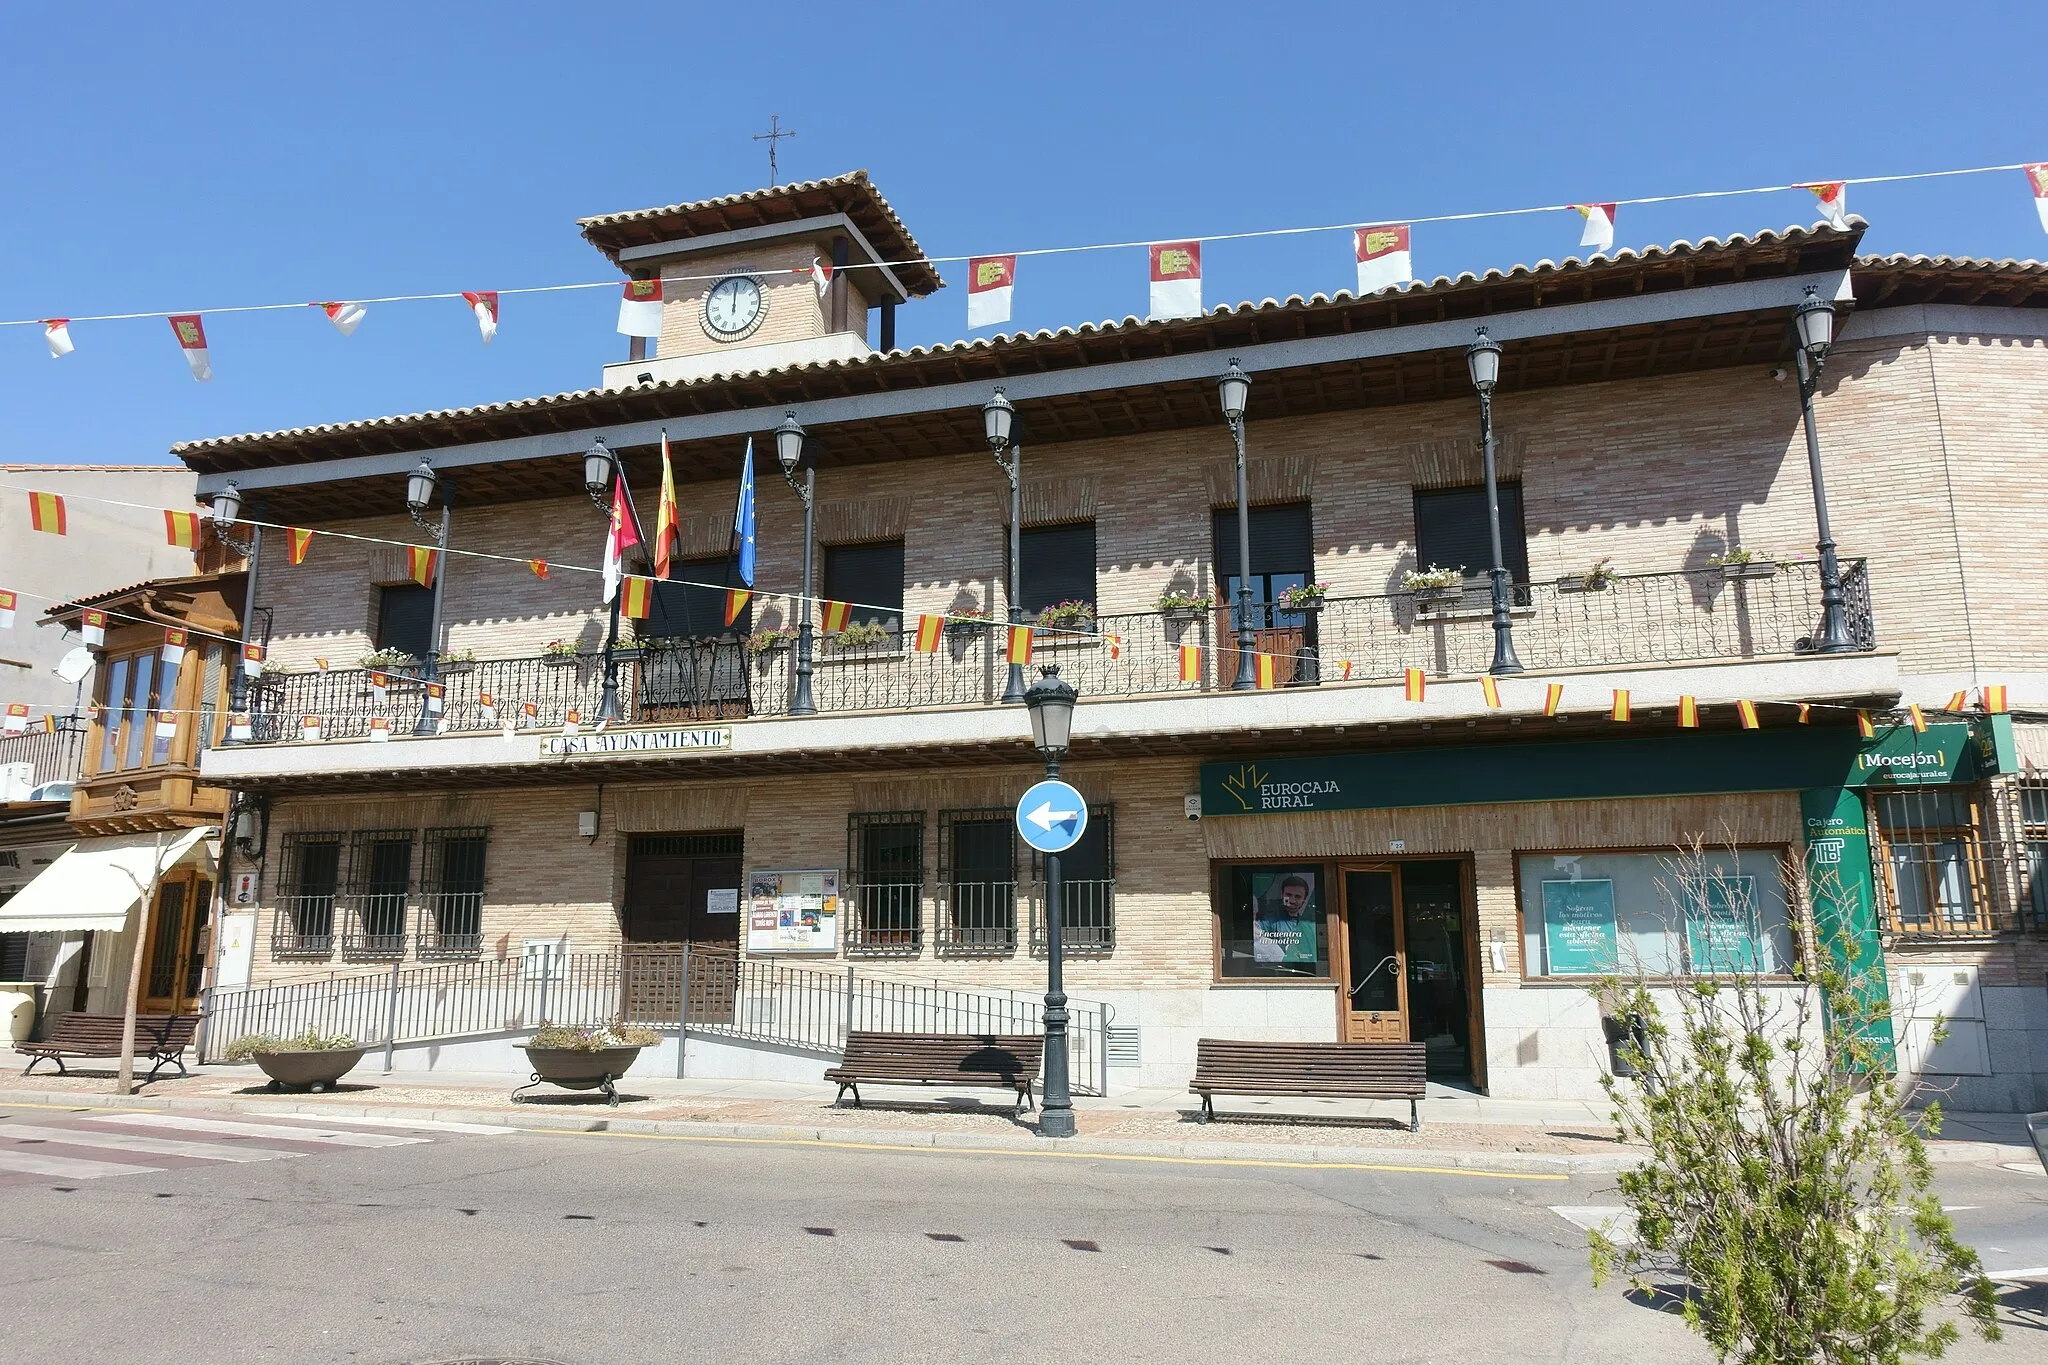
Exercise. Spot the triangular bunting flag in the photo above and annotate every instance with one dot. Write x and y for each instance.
(539, 567)
(1553, 697)
(1599, 233)
(346, 317)
(1918, 717)
(484, 303)
(1833, 199)
(991, 283)
(1489, 691)
(736, 602)
(297, 543)
(191, 334)
(2037, 181)
(1747, 710)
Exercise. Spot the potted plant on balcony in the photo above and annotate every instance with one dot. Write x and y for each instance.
(1181, 608)
(1597, 578)
(560, 654)
(1737, 562)
(456, 661)
(1304, 598)
(859, 637)
(388, 660)
(770, 641)
(584, 1058)
(312, 1059)
(967, 623)
(1071, 617)
(1434, 586)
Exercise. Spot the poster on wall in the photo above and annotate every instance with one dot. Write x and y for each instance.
(1578, 928)
(1720, 925)
(793, 912)
(1285, 918)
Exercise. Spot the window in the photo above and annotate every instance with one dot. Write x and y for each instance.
(13, 957)
(978, 875)
(1087, 888)
(1056, 564)
(1451, 532)
(305, 911)
(380, 876)
(692, 605)
(138, 686)
(1283, 556)
(870, 577)
(405, 619)
(885, 856)
(1654, 914)
(452, 893)
(1275, 920)
(1936, 871)
(2034, 819)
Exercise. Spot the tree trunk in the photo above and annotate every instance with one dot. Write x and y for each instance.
(124, 1082)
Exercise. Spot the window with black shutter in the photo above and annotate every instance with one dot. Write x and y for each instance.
(1283, 556)
(870, 577)
(1057, 564)
(691, 604)
(405, 618)
(1451, 531)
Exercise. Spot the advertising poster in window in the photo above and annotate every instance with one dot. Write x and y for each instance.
(1578, 928)
(1286, 918)
(1720, 925)
(793, 912)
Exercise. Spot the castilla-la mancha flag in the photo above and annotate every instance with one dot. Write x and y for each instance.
(991, 281)
(1383, 257)
(640, 309)
(1176, 280)
(1599, 233)
(346, 317)
(191, 334)
(2037, 181)
(57, 334)
(484, 303)
(1833, 199)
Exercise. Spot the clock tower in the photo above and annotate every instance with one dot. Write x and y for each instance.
(741, 278)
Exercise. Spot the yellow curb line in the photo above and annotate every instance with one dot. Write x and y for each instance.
(1071, 1156)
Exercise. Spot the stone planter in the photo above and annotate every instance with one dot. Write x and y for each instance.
(460, 666)
(966, 630)
(561, 660)
(1578, 582)
(1428, 598)
(577, 1069)
(1184, 616)
(1756, 568)
(314, 1069)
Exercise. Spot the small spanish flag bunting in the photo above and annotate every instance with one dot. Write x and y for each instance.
(1553, 697)
(1688, 713)
(380, 730)
(486, 708)
(1490, 690)
(1190, 663)
(241, 726)
(1994, 699)
(1918, 717)
(17, 718)
(1957, 701)
(1620, 709)
(92, 628)
(46, 512)
(252, 660)
(8, 600)
(321, 664)
(1747, 710)
(929, 628)
(636, 597)
(437, 697)
(167, 725)
(572, 722)
(1262, 669)
(1805, 713)
(297, 542)
(1020, 644)
(419, 564)
(1417, 684)
(309, 727)
(835, 616)
(174, 647)
(1347, 670)
(1864, 727)
(736, 600)
(380, 684)
(1115, 644)
(50, 723)
(539, 567)
(181, 529)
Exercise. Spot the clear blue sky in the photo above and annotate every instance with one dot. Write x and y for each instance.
(196, 156)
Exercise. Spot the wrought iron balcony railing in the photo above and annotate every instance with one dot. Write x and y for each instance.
(52, 756)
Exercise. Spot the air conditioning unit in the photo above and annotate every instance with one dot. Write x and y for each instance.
(17, 781)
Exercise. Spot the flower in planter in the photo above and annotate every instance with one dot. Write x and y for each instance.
(559, 649)
(1599, 575)
(1071, 615)
(617, 1033)
(1185, 601)
(1302, 595)
(762, 641)
(861, 635)
(460, 656)
(1735, 556)
(388, 659)
(312, 1040)
(1433, 578)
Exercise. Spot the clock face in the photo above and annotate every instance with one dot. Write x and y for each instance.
(734, 308)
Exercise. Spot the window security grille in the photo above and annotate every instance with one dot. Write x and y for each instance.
(310, 880)
(1943, 862)
(2032, 798)
(885, 881)
(728, 845)
(978, 879)
(1087, 887)
(379, 882)
(452, 893)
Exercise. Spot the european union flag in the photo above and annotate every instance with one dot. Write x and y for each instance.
(743, 519)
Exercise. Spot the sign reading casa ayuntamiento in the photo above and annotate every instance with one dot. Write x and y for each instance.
(638, 741)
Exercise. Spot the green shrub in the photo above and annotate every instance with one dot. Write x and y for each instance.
(312, 1040)
(617, 1033)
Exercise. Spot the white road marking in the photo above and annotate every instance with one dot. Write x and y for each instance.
(1612, 1221)
(133, 1142)
(69, 1167)
(258, 1130)
(2025, 1167)
(432, 1125)
(2032, 1272)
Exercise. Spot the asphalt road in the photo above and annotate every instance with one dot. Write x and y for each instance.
(272, 1239)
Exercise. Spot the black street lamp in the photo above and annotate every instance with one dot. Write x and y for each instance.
(600, 466)
(1005, 435)
(1051, 703)
(227, 510)
(1813, 327)
(1234, 389)
(1482, 357)
(789, 452)
(420, 486)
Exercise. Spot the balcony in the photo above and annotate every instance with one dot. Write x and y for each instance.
(52, 757)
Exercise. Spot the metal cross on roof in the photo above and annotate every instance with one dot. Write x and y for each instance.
(776, 132)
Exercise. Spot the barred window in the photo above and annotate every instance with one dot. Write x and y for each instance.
(1938, 879)
(978, 878)
(2034, 820)
(310, 879)
(885, 881)
(452, 893)
(1087, 888)
(379, 880)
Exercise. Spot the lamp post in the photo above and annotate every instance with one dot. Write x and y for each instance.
(1482, 358)
(419, 494)
(1005, 435)
(600, 467)
(1233, 389)
(1051, 704)
(789, 452)
(227, 510)
(1813, 326)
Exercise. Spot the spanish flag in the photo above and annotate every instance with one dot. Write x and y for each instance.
(1994, 699)
(1747, 710)
(1688, 713)
(1620, 711)
(835, 616)
(1262, 669)
(181, 529)
(667, 525)
(539, 567)
(929, 628)
(46, 512)
(1490, 690)
(1347, 670)
(1020, 644)
(736, 602)
(298, 541)
(420, 563)
(1864, 727)
(1416, 684)
(1918, 717)
(636, 597)
(1958, 700)
(1805, 713)
(1115, 643)
(1553, 697)
(1191, 663)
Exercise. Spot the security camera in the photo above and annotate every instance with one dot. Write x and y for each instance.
(644, 377)
(1778, 373)
(1191, 806)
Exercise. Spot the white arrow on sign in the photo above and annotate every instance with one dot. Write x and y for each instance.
(1045, 817)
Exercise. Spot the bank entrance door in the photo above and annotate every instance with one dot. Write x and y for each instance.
(1406, 955)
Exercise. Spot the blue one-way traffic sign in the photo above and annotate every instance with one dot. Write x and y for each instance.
(1052, 817)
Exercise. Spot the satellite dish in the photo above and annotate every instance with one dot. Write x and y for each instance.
(73, 667)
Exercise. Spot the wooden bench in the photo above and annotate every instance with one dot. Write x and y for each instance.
(159, 1038)
(999, 1061)
(1350, 1071)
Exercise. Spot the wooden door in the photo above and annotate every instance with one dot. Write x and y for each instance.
(714, 907)
(1371, 963)
(176, 932)
(1283, 644)
(657, 898)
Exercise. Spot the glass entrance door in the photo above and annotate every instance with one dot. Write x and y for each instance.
(1436, 949)
(1373, 994)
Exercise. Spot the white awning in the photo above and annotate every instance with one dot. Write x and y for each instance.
(96, 883)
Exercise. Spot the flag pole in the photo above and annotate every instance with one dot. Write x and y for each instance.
(608, 706)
